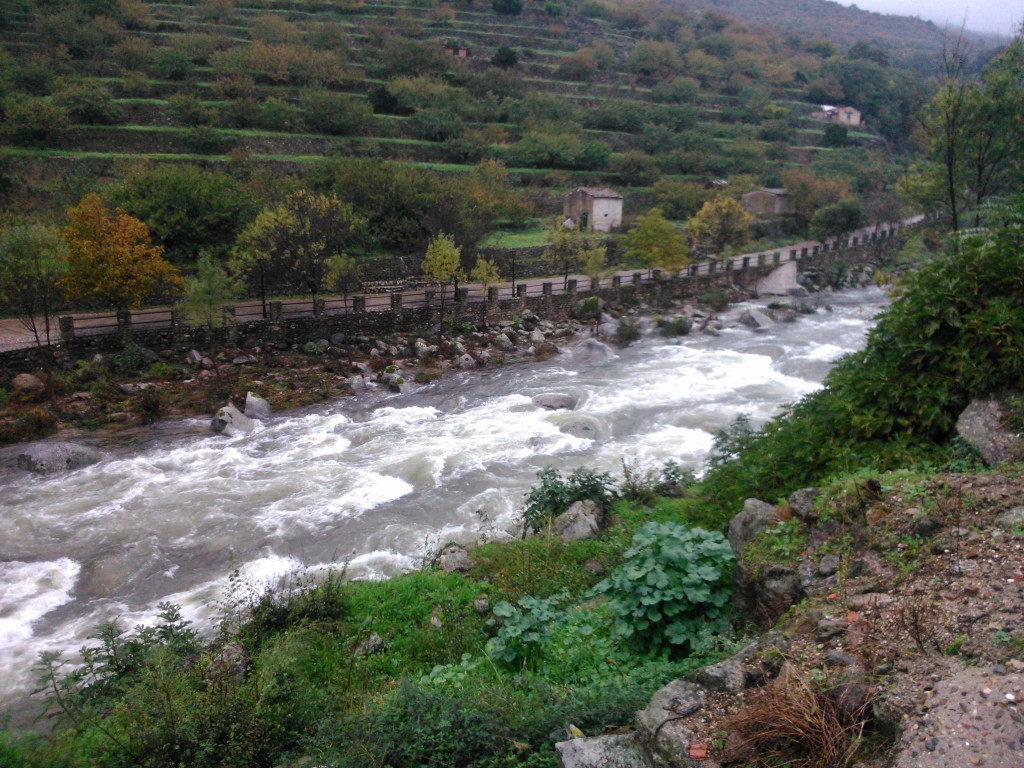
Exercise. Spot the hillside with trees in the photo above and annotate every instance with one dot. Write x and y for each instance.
(911, 40)
(194, 117)
(411, 120)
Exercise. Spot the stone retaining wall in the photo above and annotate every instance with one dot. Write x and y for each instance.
(285, 332)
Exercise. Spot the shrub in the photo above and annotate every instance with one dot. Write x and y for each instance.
(32, 121)
(526, 630)
(673, 588)
(87, 101)
(791, 722)
(626, 333)
(953, 331)
(645, 486)
(149, 405)
(129, 360)
(204, 140)
(554, 495)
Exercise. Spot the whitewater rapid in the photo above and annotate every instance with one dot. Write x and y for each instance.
(378, 482)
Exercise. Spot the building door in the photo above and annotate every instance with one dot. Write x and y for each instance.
(583, 221)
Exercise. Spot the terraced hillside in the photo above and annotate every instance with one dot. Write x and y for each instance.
(640, 97)
(912, 40)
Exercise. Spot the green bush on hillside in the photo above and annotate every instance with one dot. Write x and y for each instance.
(554, 495)
(955, 330)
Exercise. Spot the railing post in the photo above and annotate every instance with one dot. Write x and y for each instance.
(546, 293)
(746, 262)
(124, 323)
(637, 277)
(66, 323)
(396, 301)
(492, 295)
(319, 307)
(358, 304)
(177, 325)
(462, 296)
(227, 316)
(276, 311)
(595, 284)
(617, 287)
(428, 298)
(571, 287)
(521, 295)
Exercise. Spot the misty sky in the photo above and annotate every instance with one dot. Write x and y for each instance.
(1000, 16)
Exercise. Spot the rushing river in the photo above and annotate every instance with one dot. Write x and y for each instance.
(377, 481)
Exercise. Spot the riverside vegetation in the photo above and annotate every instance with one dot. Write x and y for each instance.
(154, 152)
(538, 639)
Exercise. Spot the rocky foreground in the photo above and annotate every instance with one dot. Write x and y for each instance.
(894, 618)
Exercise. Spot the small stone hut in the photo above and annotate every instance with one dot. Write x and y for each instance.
(767, 202)
(592, 209)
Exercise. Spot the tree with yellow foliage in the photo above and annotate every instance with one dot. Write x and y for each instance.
(656, 243)
(111, 260)
(720, 224)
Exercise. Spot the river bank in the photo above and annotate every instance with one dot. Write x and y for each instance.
(378, 480)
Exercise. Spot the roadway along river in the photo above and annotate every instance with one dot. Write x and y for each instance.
(379, 481)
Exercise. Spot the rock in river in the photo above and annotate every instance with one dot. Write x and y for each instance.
(43, 458)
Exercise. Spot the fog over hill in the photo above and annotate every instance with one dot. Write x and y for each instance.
(913, 40)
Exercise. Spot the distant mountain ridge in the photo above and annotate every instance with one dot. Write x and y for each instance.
(907, 38)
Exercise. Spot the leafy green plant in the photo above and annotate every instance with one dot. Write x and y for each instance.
(782, 543)
(162, 370)
(129, 360)
(673, 587)
(554, 495)
(527, 629)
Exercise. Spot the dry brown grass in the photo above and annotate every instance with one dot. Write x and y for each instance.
(792, 721)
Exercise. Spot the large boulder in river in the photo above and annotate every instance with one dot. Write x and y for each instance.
(592, 349)
(231, 421)
(756, 319)
(982, 425)
(43, 458)
(555, 401)
(256, 407)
